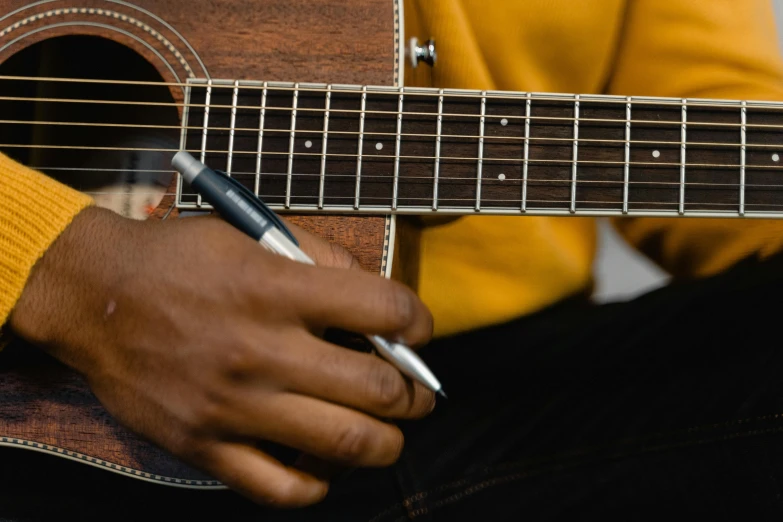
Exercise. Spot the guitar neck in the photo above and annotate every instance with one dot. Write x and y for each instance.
(359, 149)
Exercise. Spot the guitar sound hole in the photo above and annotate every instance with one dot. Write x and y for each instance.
(125, 167)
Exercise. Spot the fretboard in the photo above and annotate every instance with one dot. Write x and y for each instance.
(357, 149)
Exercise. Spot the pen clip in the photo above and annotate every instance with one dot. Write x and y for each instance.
(260, 206)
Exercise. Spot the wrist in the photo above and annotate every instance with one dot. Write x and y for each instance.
(57, 307)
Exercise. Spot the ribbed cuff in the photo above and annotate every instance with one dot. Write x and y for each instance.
(34, 210)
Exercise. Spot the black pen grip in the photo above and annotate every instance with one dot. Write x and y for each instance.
(232, 204)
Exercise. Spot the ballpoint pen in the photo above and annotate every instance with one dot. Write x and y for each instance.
(240, 207)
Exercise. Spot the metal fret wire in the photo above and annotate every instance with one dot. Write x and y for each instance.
(360, 146)
(480, 151)
(183, 138)
(257, 187)
(397, 145)
(683, 140)
(627, 166)
(231, 131)
(292, 142)
(322, 180)
(206, 128)
(574, 168)
(743, 131)
(525, 165)
(436, 168)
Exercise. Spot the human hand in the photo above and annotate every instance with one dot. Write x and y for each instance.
(192, 335)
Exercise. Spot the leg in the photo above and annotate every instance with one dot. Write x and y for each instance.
(671, 402)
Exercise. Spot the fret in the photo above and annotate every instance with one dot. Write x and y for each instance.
(627, 166)
(526, 160)
(183, 144)
(576, 155)
(713, 156)
(743, 153)
(481, 150)
(419, 131)
(360, 147)
(257, 181)
(763, 158)
(289, 173)
(342, 158)
(324, 138)
(204, 134)
(501, 178)
(381, 127)
(436, 168)
(232, 128)
(655, 156)
(397, 146)
(682, 155)
(601, 155)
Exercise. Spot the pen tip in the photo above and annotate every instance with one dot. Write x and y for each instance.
(442, 393)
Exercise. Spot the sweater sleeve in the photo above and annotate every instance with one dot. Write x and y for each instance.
(707, 49)
(34, 210)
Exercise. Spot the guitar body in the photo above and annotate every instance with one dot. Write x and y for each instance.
(46, 407)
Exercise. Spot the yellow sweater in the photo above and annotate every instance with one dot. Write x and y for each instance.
(482, 270)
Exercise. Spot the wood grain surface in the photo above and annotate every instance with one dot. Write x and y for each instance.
(293, 40)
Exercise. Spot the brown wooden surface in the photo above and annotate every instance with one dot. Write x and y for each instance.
(291, 40)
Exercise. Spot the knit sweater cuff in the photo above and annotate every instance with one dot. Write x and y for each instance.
(34, 210)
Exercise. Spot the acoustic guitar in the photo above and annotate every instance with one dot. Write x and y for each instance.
(303, 102)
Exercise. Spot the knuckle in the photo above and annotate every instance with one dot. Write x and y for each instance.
(239, 361)
(386, 387)
(206, 413)
(351, 443)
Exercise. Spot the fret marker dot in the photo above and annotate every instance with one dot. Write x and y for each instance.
(504, 122)
(776, 157)
(501, 176)
(308, 144)
(378, 146)
(656, 154)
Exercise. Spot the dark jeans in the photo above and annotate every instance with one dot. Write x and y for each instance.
(670, 404)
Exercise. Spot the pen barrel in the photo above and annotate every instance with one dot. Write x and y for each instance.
(406, 360)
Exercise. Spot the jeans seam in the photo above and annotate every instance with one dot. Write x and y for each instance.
(560, 463)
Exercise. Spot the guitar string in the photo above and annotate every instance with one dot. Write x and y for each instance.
(333, 155)
(212, 107)
(423, 92)
(469, 202)
(428, 179)
(287, 133)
